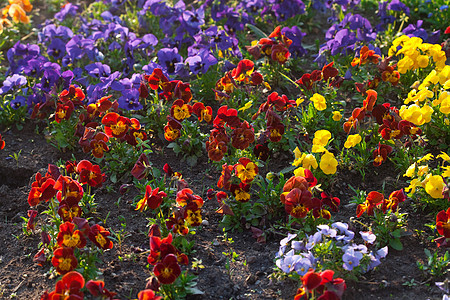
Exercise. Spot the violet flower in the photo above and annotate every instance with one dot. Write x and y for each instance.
(67, 10)
(13, 82)
(351, 259)
(130, 100)
(57, 48)
(168, 58)
(200, 63)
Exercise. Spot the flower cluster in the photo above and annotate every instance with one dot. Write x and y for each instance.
(328, 74)
(433, 181)
(377, 200)
(275, 46)
(17, 10)
(243, 74)
(298, 201)
(331, 247)
(164, 258)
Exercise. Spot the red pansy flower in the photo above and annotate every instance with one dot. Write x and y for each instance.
(2, 143)
(69, 237)
(152, 199)
(395, 198)
(168, 270)
(31, 219)
(443, 223)
(148, 295)
(186, 196)
(63, 260)
(99, 236)
(97, 289)
(69, 287)
(372, 200)
(90, 174)
(142, 167)
(298, 203)
(380, 154)
(73, 94)
(116, 125)
(41, 190)
(63, 111)
(242, 136)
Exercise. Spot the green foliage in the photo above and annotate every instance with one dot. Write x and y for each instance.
(435, 266)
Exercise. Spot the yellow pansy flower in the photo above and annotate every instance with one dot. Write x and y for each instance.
(427, 157)
(328, 163)
(410, 171)
(337, 116)
(321, 137)
(319, 101)
(444, 156)
(352, 141)
(435, 186)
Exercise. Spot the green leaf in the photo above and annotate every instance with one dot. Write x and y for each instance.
(396, 244)
(397, 233)
(194, 291)
(259, 33)
(191, 160)
(113, 178)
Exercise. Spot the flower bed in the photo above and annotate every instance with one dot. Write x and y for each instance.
(154, 150)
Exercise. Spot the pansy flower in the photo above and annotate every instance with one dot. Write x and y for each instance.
(280, 53)
(148, 294)
(69, 237)
(63, 111)
(202, 112)
(380, 154)
(443, 223)
(242, 136)
(298, 203)
(73, 94)
(90, 174)
(97, 288)
(172, 130)
(69, 287)
(2, 143)
(186, 196)
(372, 200)
(246, 170)
(176, 223)
(69, 189)
(241, 192)
(98, 145)
(116, 125)
(68, 212)
(395, 198)
(168, 270)
(152, 198)
(41, 190)
(99, 236)
(63, 260)
(193, 214)
(180, 110)
(169, 58)
(32, 214)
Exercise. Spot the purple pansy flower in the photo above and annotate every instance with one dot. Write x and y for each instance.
(200, 63)
(169, 58)
(67, 10)
(13, 82)
(351, 259)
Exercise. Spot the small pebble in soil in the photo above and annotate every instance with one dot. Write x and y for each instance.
(205, 223)
(250, 279)
(385, 283)
(251, 259)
